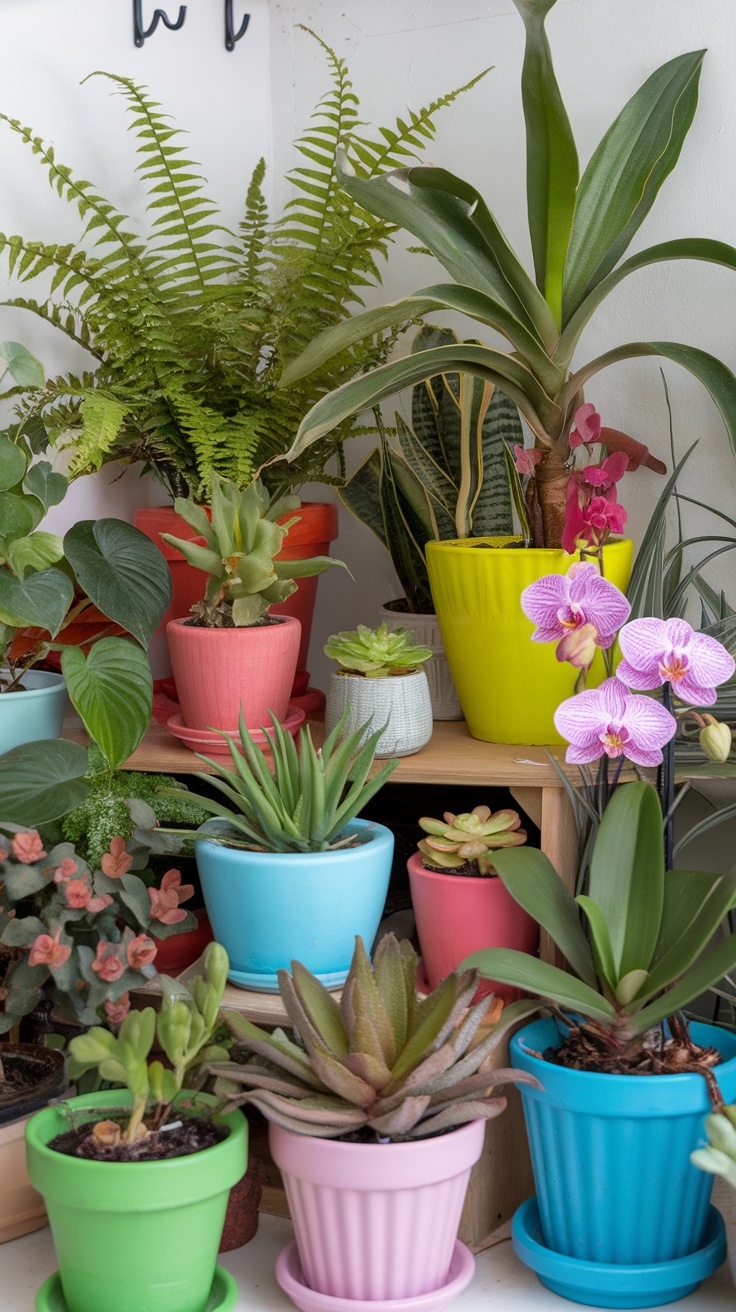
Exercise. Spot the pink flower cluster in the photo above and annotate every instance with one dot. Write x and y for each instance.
(166, 899)
(78, 891)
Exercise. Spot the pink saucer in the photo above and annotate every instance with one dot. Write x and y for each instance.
(212, 743)
(291, 1279)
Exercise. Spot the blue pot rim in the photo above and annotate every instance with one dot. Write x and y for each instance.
(381, 837)
(55, 683)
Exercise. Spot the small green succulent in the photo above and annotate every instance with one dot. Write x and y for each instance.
(376, 653)
(381, 1060)
(242, 540)
(719, 1157)
(471, 837)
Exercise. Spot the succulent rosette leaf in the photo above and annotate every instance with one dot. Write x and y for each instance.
(469, 838)
(376, 653)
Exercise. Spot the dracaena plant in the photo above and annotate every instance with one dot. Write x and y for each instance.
(381, 1061)
(184, 1029)
(377, 653)
(242, 539)
(638, 944)
(580, 228)
(469, 839)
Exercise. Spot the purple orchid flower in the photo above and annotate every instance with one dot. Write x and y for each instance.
(560, 603)
(670, 651)
(611, 720)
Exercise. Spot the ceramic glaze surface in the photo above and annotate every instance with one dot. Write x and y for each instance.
(611, 1153)
(400, 702)
(376, 1222)
(509, 687)
(217, 670)
(268, 909)
(36, 713)
(426, 630)
(290, 1276)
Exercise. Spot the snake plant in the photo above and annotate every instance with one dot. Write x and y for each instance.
(580, 228)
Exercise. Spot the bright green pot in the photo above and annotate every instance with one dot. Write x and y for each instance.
(509, 687)
(135, 1236)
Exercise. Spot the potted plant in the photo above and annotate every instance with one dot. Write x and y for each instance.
(30, 1076)
(136, 1182)
(287, 868)
(381, 682)
(580, 229)
(618, 1067)
(230, 630)
(377, 1115)
(459, 902)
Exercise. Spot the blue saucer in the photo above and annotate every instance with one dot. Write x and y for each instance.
(223, 1295)
(262, 983)
(603, 1284)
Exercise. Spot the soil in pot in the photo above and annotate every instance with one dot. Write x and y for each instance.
(665, 1054)
(30, 1076)
(193, 1135)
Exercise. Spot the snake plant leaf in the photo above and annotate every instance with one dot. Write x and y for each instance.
(422, 475)
(122, 573)
(112, 689)
(361, 496)
(695, 904)
(533, 882)
(492, 514)
(626, 171)
(551, 157)
(627, 875)
(525, 972)
(711, 967)
(714, 375)
(600, 942)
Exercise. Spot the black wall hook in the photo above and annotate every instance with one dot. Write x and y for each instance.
(140, 34)
(231, 36)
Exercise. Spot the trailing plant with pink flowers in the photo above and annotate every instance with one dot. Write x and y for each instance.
(82, 937)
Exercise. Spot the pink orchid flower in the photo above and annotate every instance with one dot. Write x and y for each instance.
(48, 951)
(611, 720)
(560, 603)
(27, 847)
(117, 861)
(587, 426)
(578, 647)
(166, 899)
(107, 963)
(67, 870)
(141, 951)
(670, 651)
(526, 461)
(117, 1011)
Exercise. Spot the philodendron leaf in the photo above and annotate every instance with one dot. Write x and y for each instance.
(41, 781)
(112, 689)
(12, 463)
(42, 481)
(21, 365)
(36, 552)
(627, 875)
(525, 972)
(41, 600)
(533, 882)
(17, 515)
(122, 572)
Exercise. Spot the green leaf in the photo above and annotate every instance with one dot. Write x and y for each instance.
(36, 552)
(600, 942)
(627, 875)
(122, 572)
(525, 972)
(12, 464)
(695, 904)
(551, 157)
(626, 171)
(41, 781)
(719, 961)
(42, 600)
(533, 882)
(112, 690)
(43, 482)
(17, 516)
(24, 367)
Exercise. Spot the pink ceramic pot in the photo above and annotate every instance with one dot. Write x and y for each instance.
(376, 1221)
(459, 914)
(216, 670)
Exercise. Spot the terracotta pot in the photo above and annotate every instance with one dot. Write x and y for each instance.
(241, 1218)
(459, 914)
(178, 951)
(187, 583)
(80, 633)
(217, 670)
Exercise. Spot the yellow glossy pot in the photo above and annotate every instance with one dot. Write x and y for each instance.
(509, 687)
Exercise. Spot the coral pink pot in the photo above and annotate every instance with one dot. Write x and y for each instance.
(376, 1221)
(459, 914)
(218, 669)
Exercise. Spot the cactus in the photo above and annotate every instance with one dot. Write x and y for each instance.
(376, 653)
(381, 1061)
(241, 542)
(470, 838)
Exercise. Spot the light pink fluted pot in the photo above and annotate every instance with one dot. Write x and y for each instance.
(217, 669)
(376, 1221)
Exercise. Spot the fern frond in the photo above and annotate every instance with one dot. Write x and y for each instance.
(64, 317)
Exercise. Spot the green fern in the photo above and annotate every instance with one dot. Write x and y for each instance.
(190, 324)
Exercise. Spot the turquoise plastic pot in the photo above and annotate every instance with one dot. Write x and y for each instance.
(135, 1236)
(611, 1153)
(35, 713)
(269, 909)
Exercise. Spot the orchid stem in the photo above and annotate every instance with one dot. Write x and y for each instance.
(667, 785)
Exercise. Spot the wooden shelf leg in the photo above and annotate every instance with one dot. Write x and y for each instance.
(560, 843)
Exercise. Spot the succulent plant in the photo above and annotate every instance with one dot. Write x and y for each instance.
(719, 1157)
(381, 1060)
(469, 838)
(184, 1028)
(242, 540)
(304, 806)
(377, 652)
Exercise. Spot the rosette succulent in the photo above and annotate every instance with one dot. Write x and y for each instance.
(469, 838)
(377, 653)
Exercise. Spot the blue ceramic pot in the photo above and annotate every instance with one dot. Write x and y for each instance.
(35, 713)
(269, 909)
(611, 1153)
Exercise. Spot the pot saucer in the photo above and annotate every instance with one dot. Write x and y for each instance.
(263, 983)
(212, 743)
(604, 1284)
(223, 1295)
(291, 1279)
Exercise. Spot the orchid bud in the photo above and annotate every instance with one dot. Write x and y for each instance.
(578, 647)
(715, 739)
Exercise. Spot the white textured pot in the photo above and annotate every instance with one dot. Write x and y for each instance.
(401, 702)
(442, 690)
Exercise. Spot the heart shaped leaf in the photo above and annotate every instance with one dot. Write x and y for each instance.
(122, 572)
(112, 690)
(41, 600)
(41, 781)
(36, 552)
(12, 463)
(21, 365)
(43, 482)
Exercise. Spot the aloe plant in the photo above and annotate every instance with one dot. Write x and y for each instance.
(380, 1060)
(580, 228)
(646, 954)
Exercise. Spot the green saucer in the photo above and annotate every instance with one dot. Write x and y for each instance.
(223, 1295)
